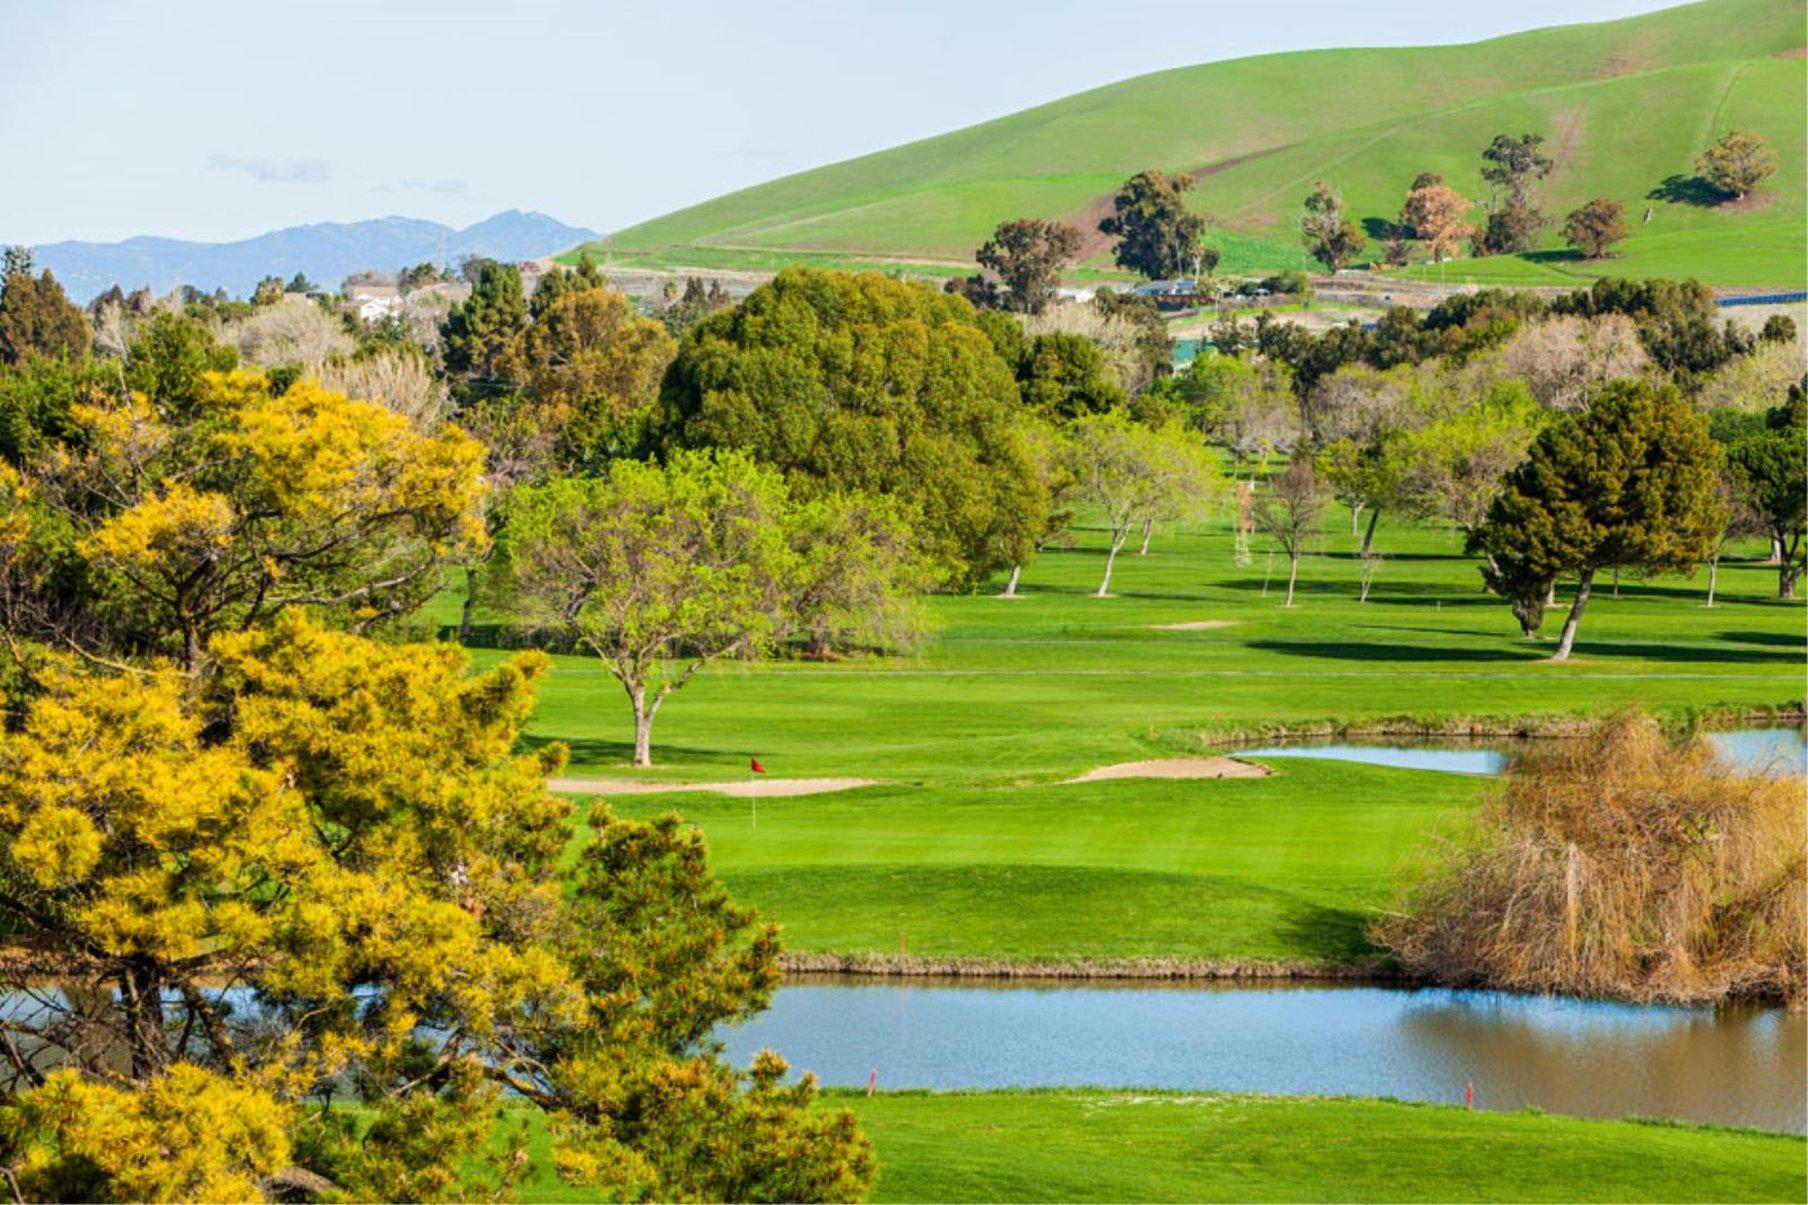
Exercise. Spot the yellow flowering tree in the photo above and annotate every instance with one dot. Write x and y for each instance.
(186, 521)
(323, 871)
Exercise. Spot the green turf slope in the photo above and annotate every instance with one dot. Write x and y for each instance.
(1623, 104)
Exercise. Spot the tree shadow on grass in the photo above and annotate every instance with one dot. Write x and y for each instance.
(1358, 650)
(1389, 558)
(1780, 640)
(1685, 653)
(1382, 229)
(1333, 934)
(1687, 190)
(1409, 593)
(605, 757)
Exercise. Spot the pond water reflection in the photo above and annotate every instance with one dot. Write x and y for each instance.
(1731, 1066)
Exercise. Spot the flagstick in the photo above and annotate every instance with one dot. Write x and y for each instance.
(753, 798)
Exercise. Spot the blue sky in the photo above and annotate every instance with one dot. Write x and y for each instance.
(218, 120)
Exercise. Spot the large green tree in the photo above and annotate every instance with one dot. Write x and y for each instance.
(1065, 375)
(1632, 482)
(1157, 234)
(1767, 460)
(657, 570)
(860, 383)
(590, 366)
(1028, 255)
(1738, 162)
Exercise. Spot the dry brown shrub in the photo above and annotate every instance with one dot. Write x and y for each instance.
(1620, 865)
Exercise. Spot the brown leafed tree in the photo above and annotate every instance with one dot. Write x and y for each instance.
(1596, 226)
(1434, 213)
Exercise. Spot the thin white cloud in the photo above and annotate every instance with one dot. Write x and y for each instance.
(444, 188)
(266, 170)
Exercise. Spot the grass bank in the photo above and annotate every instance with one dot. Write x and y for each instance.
(1092, 1145)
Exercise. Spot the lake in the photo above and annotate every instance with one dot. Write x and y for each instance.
(1739, 1066)
(1775, 750)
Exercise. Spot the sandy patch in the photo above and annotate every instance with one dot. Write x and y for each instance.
(1196, 625)
(1177, 767)
(764, 788)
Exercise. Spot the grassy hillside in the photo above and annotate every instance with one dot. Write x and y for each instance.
(1623, 105)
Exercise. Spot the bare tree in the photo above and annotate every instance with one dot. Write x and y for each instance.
(400, 380)
(1291, 512)
(1564, 360)
(290, 332)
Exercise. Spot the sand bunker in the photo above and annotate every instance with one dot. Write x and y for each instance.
(1197, 625)
(764, 788)
(1177, 767)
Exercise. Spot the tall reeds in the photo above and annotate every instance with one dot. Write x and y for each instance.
(1620, 865)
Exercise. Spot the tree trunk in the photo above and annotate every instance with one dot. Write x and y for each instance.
(1355, 516)
(469, 610)
(1550, 596)
(191, 649)
(144, 1011)
(1787, 573)
(1010, 586)
(1148, 526)
(1368, 537)
(1568, 640)
(1616, 581)
(1292, 576)
(1117, 542)
(643, 726)
(1776, 550)
(1713, 576)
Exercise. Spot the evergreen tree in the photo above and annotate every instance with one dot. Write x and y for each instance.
(1157, 235)
(1630, 483)
(476, 332)
(36, 316)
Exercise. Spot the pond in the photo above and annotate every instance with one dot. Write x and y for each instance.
(1731, 1066)
(1777, 750)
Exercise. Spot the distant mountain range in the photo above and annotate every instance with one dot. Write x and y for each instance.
(327, 252)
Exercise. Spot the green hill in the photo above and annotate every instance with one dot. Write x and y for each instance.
(1623, 105)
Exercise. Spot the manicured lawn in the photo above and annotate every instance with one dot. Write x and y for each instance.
(1054, 682)
(1092, 1145)
(972, 845)
(1282, 867)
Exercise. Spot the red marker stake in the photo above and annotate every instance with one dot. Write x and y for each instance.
(872, 1081)
(1469, 1095)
